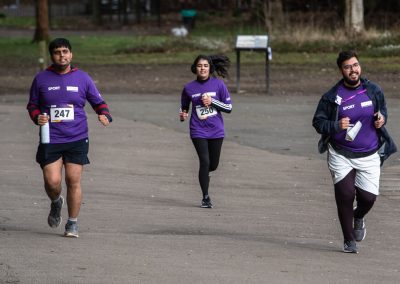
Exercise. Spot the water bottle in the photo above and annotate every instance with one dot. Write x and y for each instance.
(45, 133)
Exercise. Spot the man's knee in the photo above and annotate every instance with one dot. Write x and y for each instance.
(72, 181)
(52, 182)
(365, 196)
(73, 173)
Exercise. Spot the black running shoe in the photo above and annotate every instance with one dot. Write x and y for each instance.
(206, 203)
(350, 247)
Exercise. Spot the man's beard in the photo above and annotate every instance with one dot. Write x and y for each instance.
(352, 82)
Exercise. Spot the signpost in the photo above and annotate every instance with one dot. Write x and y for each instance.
(252, 43)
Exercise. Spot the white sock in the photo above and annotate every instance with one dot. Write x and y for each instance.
(72, 219)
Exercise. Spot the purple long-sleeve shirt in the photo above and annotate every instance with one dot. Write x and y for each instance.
(206, 122)
(63, 98)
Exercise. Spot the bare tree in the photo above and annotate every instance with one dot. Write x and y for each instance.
(271, 13)
(354, 17)
(42, 21)
(42, 35)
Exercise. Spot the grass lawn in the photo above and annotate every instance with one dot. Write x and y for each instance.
(298, 46)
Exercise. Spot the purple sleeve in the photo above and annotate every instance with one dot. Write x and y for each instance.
(223, 103)
(92, 94)
(96, 100)
(224, 95)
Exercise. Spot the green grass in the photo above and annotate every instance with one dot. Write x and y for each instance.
(17, 51)
(17, 22)
(294, 47)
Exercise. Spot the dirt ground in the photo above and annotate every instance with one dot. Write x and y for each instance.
(169, 79)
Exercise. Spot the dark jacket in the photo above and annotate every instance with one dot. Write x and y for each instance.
(325, 120)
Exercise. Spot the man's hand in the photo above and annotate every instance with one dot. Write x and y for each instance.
(379, 121)
(43, 119)
(344, 123)
(103, 119)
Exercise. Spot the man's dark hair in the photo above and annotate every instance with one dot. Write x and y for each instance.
(345, 55)
(59, 42)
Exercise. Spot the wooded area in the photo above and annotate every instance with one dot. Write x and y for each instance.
(354, 16)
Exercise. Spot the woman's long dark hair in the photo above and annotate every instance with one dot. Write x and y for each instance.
(218, 64)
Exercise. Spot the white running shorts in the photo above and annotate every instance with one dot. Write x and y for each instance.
(368, 170)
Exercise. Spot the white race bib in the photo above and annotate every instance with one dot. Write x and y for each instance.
(58, 114)
(204, 112)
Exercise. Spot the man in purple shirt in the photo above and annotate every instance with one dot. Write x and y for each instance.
(209, 97)
(350, 118)
(57, 100)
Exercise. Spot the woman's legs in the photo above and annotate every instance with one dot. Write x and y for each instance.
(208, 151)
(214, 149)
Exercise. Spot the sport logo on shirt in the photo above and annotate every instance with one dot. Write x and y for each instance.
(348, 107)
(54, 88)
(72, 89)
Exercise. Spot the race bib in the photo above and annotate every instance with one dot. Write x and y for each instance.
(58, 114)
(204, 112)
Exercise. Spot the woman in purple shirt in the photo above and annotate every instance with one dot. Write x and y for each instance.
(209, 97)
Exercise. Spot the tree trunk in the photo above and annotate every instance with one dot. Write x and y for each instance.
(96, 7)
(138, 12)
(272, 14)
(42, 21)
(354, 17)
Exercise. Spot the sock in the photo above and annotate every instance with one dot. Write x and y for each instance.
(73, 220)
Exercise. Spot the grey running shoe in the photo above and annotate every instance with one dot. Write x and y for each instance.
(359, 229)
(71, 229)
(54, 219)
(350, 247)
(206, 203)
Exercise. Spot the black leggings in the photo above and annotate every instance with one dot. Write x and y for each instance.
(345, 193)
(209, 151)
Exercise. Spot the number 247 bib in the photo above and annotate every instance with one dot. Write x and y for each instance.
(58, 114)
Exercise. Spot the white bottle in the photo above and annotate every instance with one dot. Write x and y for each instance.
(45, 133)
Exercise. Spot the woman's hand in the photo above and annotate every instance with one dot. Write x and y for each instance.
(183, 115)
(206, 99)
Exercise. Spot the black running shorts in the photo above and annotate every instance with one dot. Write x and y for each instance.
(74, 152)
